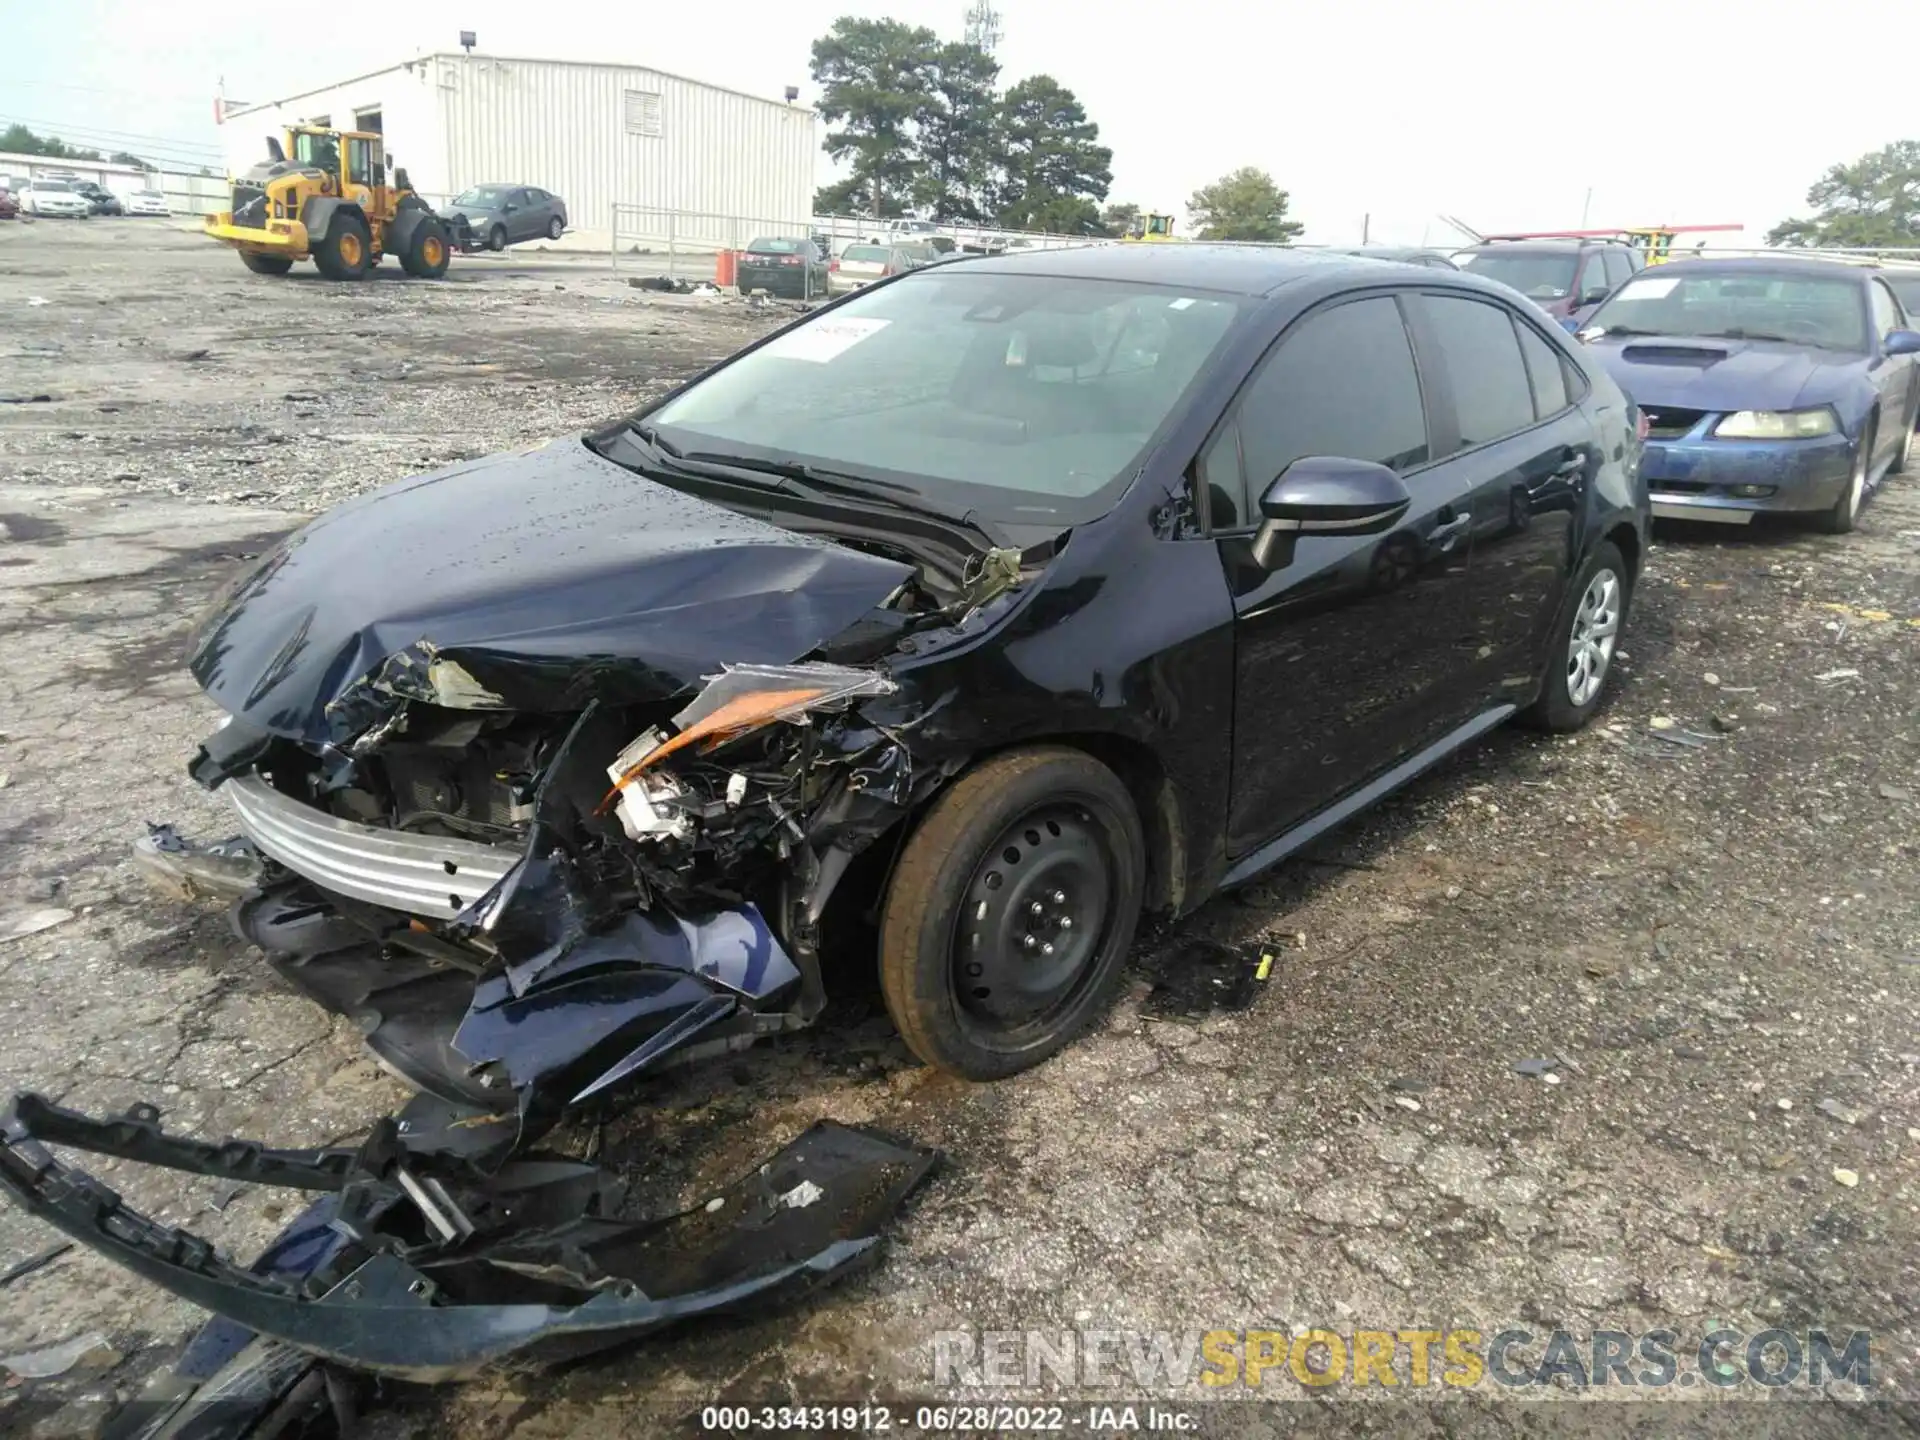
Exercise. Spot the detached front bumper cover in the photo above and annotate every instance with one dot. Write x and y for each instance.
(525, 1261)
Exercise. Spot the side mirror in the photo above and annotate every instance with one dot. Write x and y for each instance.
(1326, 495)
(1902, 342)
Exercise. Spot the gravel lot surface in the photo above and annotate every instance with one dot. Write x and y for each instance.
(1703, 916)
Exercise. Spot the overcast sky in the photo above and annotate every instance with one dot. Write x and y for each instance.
(1504, 112)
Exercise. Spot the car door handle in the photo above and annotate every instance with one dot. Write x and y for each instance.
(1568, 469)
(1447, 531)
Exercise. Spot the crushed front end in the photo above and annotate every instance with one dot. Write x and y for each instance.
(544, 805)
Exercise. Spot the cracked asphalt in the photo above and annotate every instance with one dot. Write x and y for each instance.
(1701, 918)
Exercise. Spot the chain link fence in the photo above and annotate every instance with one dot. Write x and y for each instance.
(695, 245)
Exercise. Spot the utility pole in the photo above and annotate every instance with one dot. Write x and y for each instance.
(1586, 207)
(1366, 227)
(983, 26)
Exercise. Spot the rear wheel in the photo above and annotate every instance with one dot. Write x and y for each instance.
(1581, 659)
(344, 253)
(1011, 912)
(427, 252)
(497, 238)
(265, 264)
(1846, 510)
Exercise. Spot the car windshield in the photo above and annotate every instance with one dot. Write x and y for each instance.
(1027, 399)
(1827, 312)
(773, 246)
(1537, 275)
(482, 196)
(878, 253)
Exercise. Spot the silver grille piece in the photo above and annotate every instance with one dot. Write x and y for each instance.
(427, 875)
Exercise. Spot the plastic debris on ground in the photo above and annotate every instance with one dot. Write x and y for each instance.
(1201, 976)
(93, 1350)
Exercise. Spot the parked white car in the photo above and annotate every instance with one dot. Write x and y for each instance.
(859, 265)
(41, 196)
(146, 202)
(898, 230)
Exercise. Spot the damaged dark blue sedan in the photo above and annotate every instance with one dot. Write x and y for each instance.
(1001, 603)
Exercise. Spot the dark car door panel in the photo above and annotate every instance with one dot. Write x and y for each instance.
(1348, 657)
(1520, 450)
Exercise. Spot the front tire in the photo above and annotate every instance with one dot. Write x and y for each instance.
(265, 264)
(1011, 912)
(428, 252)
(344, 253)
(497, 238)
(1845, 513)
(1581, 660)
(1903, 457)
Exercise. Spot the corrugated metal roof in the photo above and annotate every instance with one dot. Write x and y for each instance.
(508, 59)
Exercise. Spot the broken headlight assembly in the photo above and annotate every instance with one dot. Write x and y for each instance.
(651, 803)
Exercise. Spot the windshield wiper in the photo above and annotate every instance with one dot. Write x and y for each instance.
(651, 434)
(833, 482)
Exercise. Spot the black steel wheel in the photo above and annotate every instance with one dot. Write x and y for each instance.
(1011, 911)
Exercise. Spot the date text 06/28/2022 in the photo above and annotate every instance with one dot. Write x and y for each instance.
(986, 1419)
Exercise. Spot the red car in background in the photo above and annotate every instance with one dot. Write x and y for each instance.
(9, 207)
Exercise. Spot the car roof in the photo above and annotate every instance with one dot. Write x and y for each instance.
(1545, 245)
(1236, 269)
(1769, 265)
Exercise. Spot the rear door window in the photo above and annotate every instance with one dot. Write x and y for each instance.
(1481, 356)
(1341, 382)
(1545, 370)
(1619, 267)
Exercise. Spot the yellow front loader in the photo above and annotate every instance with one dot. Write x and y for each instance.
(324, 196)
(1151, 228)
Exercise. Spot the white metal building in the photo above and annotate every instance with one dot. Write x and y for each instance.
(597, 135)
(16, 170)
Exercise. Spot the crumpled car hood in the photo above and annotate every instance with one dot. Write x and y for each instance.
(533, 580)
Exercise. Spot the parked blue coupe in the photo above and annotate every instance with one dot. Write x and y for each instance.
(1769, 384)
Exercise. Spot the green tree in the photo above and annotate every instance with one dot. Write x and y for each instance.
(1118, 219)
(873, 79)
(1874, 200)
(1052, 155)
(956, 131)
(1243, 205)
(19, 140)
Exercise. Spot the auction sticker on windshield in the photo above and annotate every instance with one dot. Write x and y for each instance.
(823, 339)
(1651, 289)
